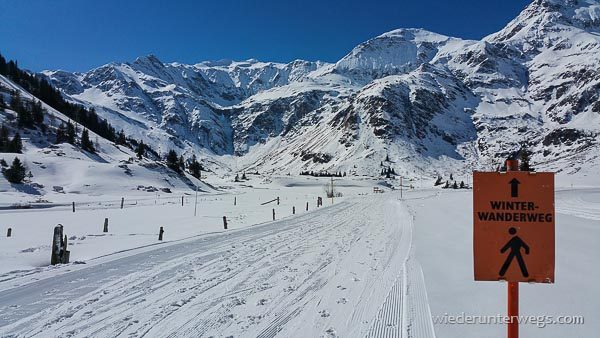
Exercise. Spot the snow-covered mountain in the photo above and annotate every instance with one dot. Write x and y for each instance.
(429, 102)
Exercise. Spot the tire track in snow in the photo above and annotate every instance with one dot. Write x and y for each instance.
(335, 270)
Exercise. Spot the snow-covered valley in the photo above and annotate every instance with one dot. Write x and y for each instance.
(367, 265)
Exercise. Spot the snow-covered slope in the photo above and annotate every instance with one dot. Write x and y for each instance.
(431, 103)
(60, 171)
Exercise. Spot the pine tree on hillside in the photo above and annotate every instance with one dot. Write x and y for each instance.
(16, 145)
(86, 143)
(16, 172)
(61, 134)
(140, 150)
(524, 164)
(3, 139)
(37, 113)
(121, 139)
(15, 101)
(194, 167)
(181, 163)
(173, 161)
(71, 134)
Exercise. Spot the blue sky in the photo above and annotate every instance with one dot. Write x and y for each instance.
(79, 35)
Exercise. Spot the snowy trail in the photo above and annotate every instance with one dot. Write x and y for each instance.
(347, 270)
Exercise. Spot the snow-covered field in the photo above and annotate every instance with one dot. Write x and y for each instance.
(367, 265)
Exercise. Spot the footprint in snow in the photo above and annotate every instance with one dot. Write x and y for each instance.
(330, 333)
(342, 301)
(324, 313)
(262, 302)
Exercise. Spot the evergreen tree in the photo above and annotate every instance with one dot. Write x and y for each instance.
(16, 172)
(121, 139)
(71, 134)
(194, 167)
(16, 145)
(438, 181)
(37, 113)
(454, 185)
(61, 134)
(86, 143)
(451, 177)
(140, 150)
(237, 178)
(525, 157)
(181, 163)
(244, 176)
(462, 184)
(15, 101)
(173, 160)
(3, 139)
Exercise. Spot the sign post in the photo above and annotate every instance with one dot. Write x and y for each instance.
(513, 231)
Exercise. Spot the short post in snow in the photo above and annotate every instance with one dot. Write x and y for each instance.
(293, 210)
(60, 254)
(160, 233)
(196, 202)
(225, 222)
(9, 232)
(277, 200)
(273, 214)
(181, 200)
(122, 202)
(400, 187)
(105, 225)
(306, 206)
(73, 206)
(234, 200)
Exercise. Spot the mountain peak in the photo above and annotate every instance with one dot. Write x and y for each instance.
(148, 59)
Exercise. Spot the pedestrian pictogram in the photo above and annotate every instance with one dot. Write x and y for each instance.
(514, 245)
(513, 219)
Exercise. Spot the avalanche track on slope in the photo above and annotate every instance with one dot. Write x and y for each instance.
(347, 270)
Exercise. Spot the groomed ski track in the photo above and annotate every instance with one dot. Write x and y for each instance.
(346, 270)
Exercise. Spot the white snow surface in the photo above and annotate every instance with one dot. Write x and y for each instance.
(369, 265)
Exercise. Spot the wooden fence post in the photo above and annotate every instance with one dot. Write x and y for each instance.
(105, 225)
(306, 206)
(122, 202)
(60, 254)
(277, 200)
(73, 206)
(160, 234)
(293, 210)
(234, 200)
(225, 222)
(273, 214)
(9, 232)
